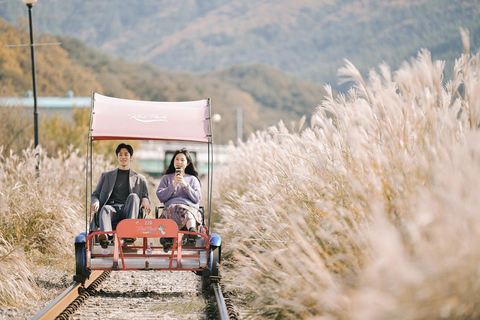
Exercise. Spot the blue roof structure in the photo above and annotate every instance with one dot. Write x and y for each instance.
(47, 102)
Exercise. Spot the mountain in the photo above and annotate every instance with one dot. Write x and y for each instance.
(265, 94)
(308, 38)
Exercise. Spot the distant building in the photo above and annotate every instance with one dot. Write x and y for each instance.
(48, 106)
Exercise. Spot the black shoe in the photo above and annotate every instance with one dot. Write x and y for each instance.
(191, 242)
(103, 241)
(166, 243)
(129, 241)
(191, 238)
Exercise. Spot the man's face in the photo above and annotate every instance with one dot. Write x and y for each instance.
(124, 159)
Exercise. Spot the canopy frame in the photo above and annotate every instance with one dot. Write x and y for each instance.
(199, 130)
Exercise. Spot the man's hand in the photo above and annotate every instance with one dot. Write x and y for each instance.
(145, 205)
(95, 206)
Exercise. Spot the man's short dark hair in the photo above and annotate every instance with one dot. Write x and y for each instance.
(126, 146)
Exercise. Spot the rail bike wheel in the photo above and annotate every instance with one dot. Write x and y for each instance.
(215, 256)
(211, 274)
(81, 271)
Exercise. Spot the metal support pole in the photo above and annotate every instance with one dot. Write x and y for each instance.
(34, 80)
(32, 51)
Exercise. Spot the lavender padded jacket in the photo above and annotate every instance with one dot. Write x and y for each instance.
(168, 194)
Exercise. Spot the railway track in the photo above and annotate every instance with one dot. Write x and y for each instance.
(70, 296)
(146, 295)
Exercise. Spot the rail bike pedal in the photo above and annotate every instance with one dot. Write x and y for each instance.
(215, 278)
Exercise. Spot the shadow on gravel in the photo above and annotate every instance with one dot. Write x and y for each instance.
(136, 294)
(47, 284)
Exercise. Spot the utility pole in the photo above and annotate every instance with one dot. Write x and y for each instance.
(30, 4)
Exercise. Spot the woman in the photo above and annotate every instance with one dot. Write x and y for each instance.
(179, 191)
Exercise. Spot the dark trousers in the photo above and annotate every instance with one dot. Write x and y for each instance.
(112, 214)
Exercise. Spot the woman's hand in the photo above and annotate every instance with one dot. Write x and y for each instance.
(178, 177)
(179, 180)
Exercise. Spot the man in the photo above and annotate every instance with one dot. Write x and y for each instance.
(119, 195)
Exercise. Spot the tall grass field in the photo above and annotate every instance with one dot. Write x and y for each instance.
(40, 213)
(369, 212)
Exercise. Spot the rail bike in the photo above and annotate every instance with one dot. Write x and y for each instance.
(123, 119)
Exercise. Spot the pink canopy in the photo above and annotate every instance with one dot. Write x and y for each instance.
(122, 119)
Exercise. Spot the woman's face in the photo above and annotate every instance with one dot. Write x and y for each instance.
(180, 161)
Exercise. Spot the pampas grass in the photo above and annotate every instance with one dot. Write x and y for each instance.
(16, 282)
(372, 211)
(39, 217)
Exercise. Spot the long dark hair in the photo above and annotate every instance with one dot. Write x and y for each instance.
(190, 169)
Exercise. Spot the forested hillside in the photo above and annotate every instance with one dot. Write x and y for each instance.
(265, 94)
(306, 38)
(56, 72)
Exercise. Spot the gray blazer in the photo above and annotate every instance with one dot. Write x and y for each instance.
(104, 189)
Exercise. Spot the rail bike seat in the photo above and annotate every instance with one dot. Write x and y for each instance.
(95, 224)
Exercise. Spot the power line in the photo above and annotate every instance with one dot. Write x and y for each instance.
(28, 45)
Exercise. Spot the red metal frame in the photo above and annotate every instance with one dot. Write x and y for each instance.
(147, 229)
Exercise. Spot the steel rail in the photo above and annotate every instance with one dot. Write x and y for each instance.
(62, 301)
(73, 296)
(222, 307)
